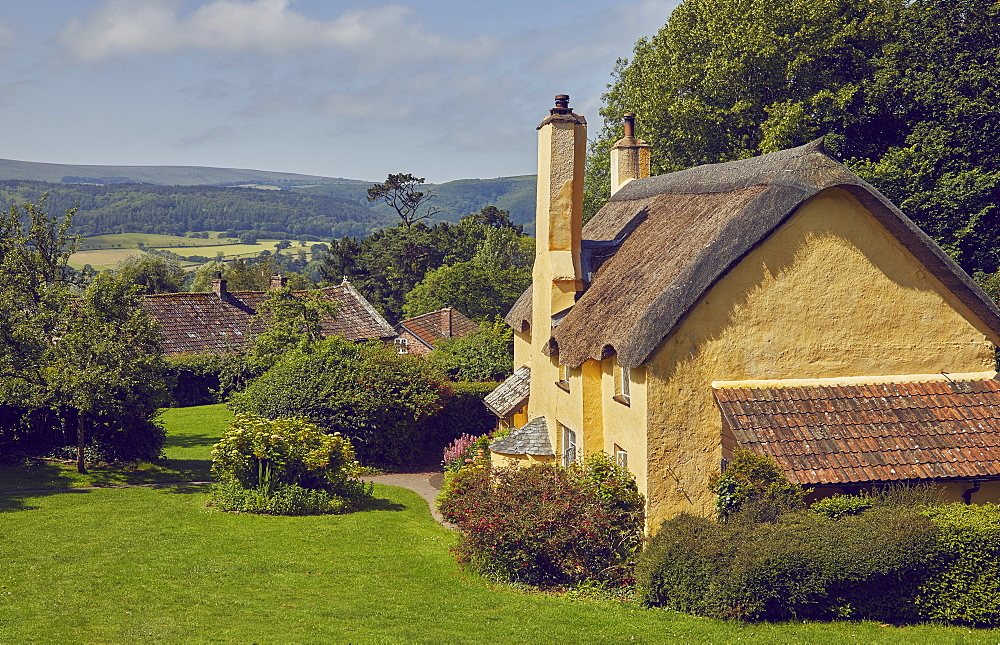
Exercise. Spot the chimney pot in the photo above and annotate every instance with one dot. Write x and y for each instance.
(562, 105)
(629, 125)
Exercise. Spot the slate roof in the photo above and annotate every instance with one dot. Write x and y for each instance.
(530, 439)
(431, 326)
(871, 433)
(511, 394)
(684, 230)
(194, 323)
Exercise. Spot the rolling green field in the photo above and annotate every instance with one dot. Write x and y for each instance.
(106, 251)
(155, 565)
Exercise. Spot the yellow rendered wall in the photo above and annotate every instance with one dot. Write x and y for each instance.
(829, 294)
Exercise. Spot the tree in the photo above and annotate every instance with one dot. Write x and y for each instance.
(107, 364)
(479, 292)
(400, 192)
(152, 273)
(67, 358)
(483, 355)
(904, 91)
(938, 80)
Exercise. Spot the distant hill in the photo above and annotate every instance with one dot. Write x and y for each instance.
(57, 173)
(179, 199)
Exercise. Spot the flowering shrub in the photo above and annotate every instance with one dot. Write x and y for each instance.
(464, 450)
(545, 525)
(286, 467)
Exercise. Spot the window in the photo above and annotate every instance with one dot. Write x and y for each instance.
(623, 380)
(400, 346)
(621, 456)
(563, 381)
(568, 446)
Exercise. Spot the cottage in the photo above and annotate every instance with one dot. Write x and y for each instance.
(220, 320)
(417, 335)
(779, 304)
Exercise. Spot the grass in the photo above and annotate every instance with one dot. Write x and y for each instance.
(191, 433)
(98, 252)
(154, 565)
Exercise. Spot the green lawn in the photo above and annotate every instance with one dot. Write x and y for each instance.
(191, 433)
(154, 565)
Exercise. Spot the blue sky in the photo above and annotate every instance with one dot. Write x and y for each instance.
(444, 90)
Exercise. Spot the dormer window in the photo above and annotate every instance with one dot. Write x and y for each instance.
(401, 346)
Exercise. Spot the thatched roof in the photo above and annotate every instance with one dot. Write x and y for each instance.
(695, 225)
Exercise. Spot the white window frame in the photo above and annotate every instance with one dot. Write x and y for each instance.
(623, 383)
(402, 345)
(570, 450)
(621, 456)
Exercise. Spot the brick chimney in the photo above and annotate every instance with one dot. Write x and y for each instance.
(562, 148)
(629, 157)
(446, 322)
(277, 281)
(219, 285)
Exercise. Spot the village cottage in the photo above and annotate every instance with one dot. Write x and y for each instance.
(417, 335)
(779, 304)
(221, 320)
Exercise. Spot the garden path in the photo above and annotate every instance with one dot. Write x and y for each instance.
(427, 485)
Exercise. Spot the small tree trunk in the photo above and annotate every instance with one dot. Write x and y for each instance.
(81, 467)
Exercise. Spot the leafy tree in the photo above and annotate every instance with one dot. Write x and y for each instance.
(400, 192)
(107, 365)
(34, 289)
(477, 291)
(484, 355)
(289, 321)
(729, 79)
(152, 273)
(92, 359)
(905, 92)
(388, 263)
(938, 80)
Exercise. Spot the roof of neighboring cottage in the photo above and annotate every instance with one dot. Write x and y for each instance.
(443, 323)
(684, 230)
(511, 394)
(530, 439)
(846, 434)
(193, 323)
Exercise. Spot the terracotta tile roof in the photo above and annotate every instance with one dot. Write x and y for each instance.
(443, 323)
(864, 433)
(511, 394)
(530, 439)
(193, 323)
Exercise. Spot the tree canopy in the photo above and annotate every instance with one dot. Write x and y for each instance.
(902, 90)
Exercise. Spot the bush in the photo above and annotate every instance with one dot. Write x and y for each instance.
(193, 379)
(462, 412)
(379, 399)
(802, 566)
(286, 467)
(838, 506)
(963, 581)
(544, 525)
(757, 485)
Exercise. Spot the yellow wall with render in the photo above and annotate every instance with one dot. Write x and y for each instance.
(829, 294)
(625, 425)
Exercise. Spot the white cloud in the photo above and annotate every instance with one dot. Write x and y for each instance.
(211, 135)
(382, 36)
(9, 90)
